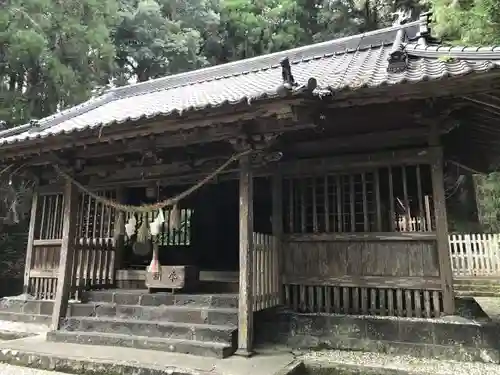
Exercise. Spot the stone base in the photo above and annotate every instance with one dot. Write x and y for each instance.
(445, 339)
(244, 353)
(26, 311)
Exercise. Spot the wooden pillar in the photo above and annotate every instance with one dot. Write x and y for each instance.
(277, 222)
(445, 270)
(31, 240)
(67, 254)
(245, 302)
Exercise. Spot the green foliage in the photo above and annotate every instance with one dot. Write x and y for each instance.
(52, 54)
(467, 22)
(55, 54)
(488, 199)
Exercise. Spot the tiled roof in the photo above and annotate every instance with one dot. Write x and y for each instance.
(349, 63)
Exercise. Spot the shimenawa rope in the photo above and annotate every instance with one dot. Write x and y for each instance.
(158, 205)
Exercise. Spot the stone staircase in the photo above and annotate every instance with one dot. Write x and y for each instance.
(477, 287)
(202, 324)
(24, 310)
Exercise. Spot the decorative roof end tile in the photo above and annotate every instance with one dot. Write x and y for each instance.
(286, 73)
(398, 57)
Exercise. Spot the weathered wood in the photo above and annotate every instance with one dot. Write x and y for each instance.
(352, 212)
(67, 254)
(277, 226)
(326, 260)
(302, 201)
(266, 289)
(245, 313)
(173, 277)
(52, 242)
(341, 143)
(406, 200)
(366, 224)
(442, 229)
(315, 166)
(422, 226)
(339, 209)
(326, 204)
(31, 239)
(371, 236)
(275, 111)
(392, 215)
(378, 201)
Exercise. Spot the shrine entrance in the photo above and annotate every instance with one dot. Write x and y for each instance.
(208, 237)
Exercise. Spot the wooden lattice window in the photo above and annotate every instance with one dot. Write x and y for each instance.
(376, 200)
(180, 236)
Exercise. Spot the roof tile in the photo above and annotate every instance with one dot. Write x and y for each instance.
(348, 63)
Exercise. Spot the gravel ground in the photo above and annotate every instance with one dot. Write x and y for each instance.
(16, 370)
(419, 365)
(22, 327)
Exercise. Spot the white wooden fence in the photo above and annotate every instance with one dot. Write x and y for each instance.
(475, 254)
(265, 272)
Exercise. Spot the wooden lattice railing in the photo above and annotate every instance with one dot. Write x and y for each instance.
(93, 264)
(266, 286)
(475, 254)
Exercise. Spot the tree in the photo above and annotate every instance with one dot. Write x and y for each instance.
(157, 38)
(52, 55)
(467, 22)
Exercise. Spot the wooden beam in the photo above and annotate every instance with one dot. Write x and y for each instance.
(410, 282)
(277, 223)
(31, 239)
(185, 175)
(363, 237)
(439, 200)
(373, 139)
(245, 302)
(314, 166)
(67, 254)
(178, 138)
(280, 111)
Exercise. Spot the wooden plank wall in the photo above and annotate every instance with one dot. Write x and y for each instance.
(346, 251)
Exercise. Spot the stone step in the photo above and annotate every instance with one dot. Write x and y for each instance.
(143, 298)
(170, 313)
(207, 349)
(39, 307)
(478, 280)
(25, 318)
(479, 287)
(475, 293)
(173, 330)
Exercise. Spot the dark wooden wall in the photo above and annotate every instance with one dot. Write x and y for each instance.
(362, 240)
